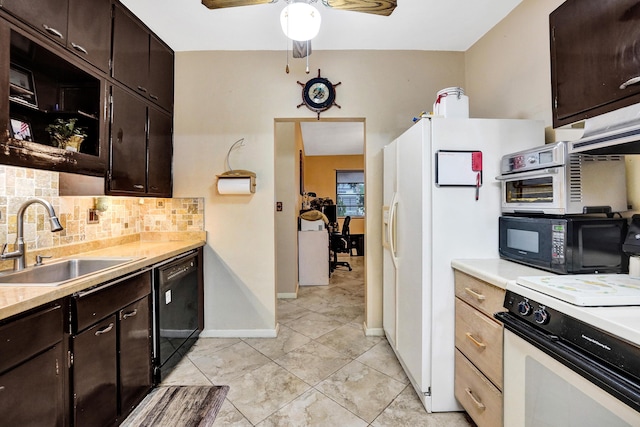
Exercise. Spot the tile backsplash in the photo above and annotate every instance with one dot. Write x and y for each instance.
(123, 217)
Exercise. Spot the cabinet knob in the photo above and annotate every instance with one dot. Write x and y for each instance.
(138, 186)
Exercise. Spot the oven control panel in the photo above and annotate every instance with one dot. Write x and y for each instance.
(548, 156)
(534, 313)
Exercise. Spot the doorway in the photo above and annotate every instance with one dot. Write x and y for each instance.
(301, 146)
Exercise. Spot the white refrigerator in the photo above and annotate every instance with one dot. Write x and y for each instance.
(427, 224)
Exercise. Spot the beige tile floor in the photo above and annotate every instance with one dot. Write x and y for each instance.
(321, 370)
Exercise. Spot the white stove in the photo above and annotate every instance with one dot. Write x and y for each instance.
(592, 290)
(590, 323)
(610, 302)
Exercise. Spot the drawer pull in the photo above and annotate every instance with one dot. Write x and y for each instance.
(475, 294)
(52, 31)
(130, 314)
(631, 81)
(475, 341)
(79, 48)
(479, 405)
(104, 330)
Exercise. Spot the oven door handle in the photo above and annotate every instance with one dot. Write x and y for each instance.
(539, 173)
(588, 367)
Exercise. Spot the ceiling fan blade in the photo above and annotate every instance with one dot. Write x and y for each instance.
(377, 7)
(219, 4)
(301, 49)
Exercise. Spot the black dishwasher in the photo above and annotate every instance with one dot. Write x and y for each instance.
(175, 311)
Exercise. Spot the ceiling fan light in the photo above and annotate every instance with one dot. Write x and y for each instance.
(300, 21)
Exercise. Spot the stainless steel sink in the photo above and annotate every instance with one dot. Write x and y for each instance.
(57, 273)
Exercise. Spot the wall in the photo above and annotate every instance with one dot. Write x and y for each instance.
(223, 96)
(320, 177)
(508, 70)
(126, 217)
(287, 176)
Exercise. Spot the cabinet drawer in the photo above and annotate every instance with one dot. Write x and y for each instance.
(96, 304)
(485, 297)
(480, 398)
(480, 339)
(44, 328)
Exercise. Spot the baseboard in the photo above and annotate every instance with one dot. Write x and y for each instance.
(240, 333)
(372, 332)
(287, 295)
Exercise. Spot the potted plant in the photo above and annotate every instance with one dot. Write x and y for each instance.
(66, 134)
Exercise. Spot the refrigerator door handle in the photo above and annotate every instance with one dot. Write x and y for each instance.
(391, 230)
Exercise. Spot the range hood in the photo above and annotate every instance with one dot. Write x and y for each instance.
(617, 132)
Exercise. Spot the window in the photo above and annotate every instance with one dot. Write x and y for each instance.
(350, 193)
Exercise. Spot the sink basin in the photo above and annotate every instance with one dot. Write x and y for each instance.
(57, 273)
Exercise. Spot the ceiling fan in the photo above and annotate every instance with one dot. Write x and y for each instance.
(377, 7)
(302, 49)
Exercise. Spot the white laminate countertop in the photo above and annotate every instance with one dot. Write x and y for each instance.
(495, 271)
(18, 299)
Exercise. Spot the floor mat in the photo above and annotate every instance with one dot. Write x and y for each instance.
(185, 406)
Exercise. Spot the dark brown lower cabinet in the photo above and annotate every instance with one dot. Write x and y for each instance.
(33, 368)
(111, 355)
(95, 374)
(135, 354)
(31, 394)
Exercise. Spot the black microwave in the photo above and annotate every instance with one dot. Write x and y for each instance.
(565, 245)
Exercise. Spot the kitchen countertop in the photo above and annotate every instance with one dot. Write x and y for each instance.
(17, 299)
(497, 272)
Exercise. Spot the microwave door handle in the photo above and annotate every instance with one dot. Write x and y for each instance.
(530, 174)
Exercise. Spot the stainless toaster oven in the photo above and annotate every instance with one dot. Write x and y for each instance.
(548, 180)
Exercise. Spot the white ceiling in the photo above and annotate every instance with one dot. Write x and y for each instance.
(414, 25)
(331, 138)
(445, 25)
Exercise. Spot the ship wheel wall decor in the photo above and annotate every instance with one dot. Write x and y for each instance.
(319, 94)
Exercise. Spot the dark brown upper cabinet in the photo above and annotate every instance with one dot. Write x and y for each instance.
(49, 17)
(90, 31)
(38, 88)
(83, 26)
(160, 153)
(594, 58)
(141, 61)
(128, 144)
(141, 147)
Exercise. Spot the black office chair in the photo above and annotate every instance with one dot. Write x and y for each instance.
(341, 243)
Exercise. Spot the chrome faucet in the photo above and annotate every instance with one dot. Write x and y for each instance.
(19, 253)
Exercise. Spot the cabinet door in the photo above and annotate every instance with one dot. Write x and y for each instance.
(135, 353)
(90, 31)
(593, 52)
(49, 17)
(160, 153)
(32, 393)
(128, 143)
(161, 74)
(95, 375)
(130, 52)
